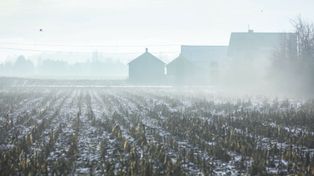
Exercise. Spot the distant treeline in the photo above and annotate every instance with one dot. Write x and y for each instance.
(23, 67)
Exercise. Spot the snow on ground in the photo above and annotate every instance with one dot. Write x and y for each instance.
(137, 130)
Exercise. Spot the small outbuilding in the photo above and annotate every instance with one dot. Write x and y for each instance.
(180, 70)
(146, 69)
(196, 64)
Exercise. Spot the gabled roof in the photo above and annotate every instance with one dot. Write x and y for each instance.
(180, 65)
(265, 42)
(146, 57)
(180, 60)
(203, 54)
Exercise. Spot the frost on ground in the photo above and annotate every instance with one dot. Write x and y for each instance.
(152, 131)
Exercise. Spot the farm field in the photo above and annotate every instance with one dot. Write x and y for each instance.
(152, 131)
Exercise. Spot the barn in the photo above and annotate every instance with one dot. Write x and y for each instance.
(196, 64)
(146, 69)
(251, 54)
(256, 45)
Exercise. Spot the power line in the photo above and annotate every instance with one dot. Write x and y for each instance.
(38, 50)
(64, 51)
(87, 45)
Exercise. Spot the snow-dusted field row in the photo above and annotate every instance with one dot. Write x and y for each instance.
(152, 131)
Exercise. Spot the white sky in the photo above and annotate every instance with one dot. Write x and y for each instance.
(128, 26)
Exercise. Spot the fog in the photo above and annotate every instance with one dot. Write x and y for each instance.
(93, 66)
(265, 63)
(242, 46)
(156, 87)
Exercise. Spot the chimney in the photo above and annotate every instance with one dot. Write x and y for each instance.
(146, 50)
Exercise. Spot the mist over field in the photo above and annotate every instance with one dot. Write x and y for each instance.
(92, 66)
(156, 87)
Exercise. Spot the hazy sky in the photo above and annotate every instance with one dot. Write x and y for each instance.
(127, 26)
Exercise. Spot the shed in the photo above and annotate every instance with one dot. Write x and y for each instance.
(196, 64)
(180, 70)
(146, 69)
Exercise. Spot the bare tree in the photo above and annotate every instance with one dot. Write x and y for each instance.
(294, 73)
(305, 34)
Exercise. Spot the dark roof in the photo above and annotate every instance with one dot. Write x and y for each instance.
(203, 54)
(145, 57)
(262, 42)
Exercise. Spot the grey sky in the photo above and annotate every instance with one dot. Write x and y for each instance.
(135, 24)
